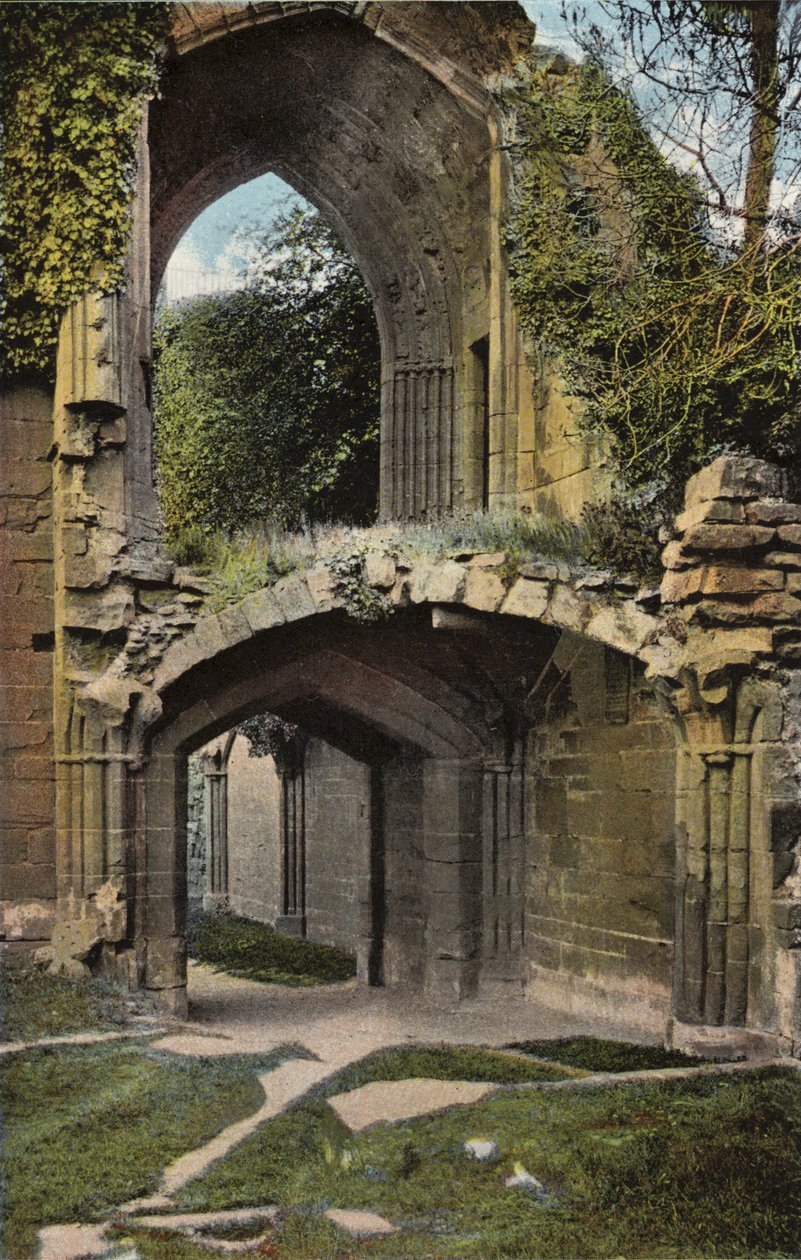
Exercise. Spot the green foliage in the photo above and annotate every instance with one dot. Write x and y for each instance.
(623, 533)
(256, 557)
(267, 399)
(74, 78)
(90, 1127)
(672, 348)
(361, 601)
(33, 1004)
(692, 1168)
(242, 947)
(594, 1054)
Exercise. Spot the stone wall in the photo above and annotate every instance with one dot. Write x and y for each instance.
(254, 859)
(337, 796)
(404, 940)
(27, 777)
(601, 800)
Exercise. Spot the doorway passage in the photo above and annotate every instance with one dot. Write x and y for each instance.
(286, 829)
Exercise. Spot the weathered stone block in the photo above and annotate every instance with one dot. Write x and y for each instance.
(623, 627)
(711, 510)
(179, 658)
(262, 611)
(727, 537)
(104, 610)
(527, 598)
(26, 920)
(735, 477)
(322, 588)
(783, 559)
(293, 597)
(568, 610)
(773, 513)
(790, 535)
(436, 583)
(379, 570)
(484, 590)
(234, 625)
(719, 580)
(673, 556)
(540, 570)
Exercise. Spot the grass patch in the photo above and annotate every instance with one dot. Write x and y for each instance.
(593, 1054)
(261, 554)
(255, 951)
(706, 1167)
(89, 1127)
(440, 1063)
(34, 1004)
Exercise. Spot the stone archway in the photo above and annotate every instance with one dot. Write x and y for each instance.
(116, 648)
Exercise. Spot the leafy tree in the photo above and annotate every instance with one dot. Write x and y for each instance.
(676, 342)
(267, 399)
(719, 86)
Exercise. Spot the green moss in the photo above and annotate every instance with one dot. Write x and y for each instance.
(90, 1127)
(255, 951)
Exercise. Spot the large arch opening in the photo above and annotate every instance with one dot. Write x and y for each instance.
(397, 162)
(266, 374)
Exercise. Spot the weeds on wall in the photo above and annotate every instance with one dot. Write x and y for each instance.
(74, 80)
(672, 347)
(238, 564)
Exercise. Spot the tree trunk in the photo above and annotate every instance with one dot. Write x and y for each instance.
(764, 19)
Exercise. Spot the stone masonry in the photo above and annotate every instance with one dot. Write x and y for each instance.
(570, 784)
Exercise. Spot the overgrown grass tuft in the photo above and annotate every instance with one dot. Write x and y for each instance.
(34, 1004)
(520, 535)
(255, 951)
(596, 1055)
(89, 1127)
(259, 555)
(700, 1168)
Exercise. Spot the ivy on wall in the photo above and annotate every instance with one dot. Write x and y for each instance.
(74, 78)
(674, 349)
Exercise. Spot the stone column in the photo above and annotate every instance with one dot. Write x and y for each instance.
(452, 851)
(417, 440)
(215, 768)
(290, 757)
(503, 835)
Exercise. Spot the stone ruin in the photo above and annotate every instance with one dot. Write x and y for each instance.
(571, 787)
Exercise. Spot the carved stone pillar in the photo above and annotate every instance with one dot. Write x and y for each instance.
(417, 441)
(452, 850)
(503, 834)
(215, 768)
(290, 756)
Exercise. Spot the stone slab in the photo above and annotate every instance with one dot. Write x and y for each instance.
(387, 1102)
(360, 1224)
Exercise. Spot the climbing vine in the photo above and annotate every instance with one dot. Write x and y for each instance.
(674, 349)
(74, 78)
